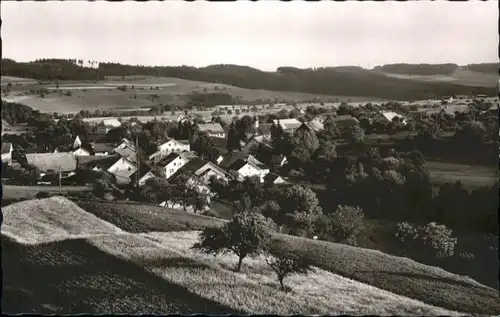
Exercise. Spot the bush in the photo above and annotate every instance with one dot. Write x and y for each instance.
(347, 223)
(41, 195)
(429, 239)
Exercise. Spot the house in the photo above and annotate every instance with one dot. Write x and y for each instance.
(127, 150)
(63, 163)
(171, 146)
(123, 169)
(126, 143)
(244, 164)
(102, 148)
(80, 152)
(277, 161)
(7, 149)
(212, 129)
(77, 143)
(143, 175)
(273, 179)
(288, 125)
(255, 142)
(173, 162)
(313, 125)
(108, 124)
(341, 121)
(387, 116)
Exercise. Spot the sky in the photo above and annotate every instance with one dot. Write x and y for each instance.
(265, 34)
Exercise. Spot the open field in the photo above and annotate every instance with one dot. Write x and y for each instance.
(401, 276)
(460, 76)
(472, 176)
(104, 95)
(5, 80)
(17, 129)
(159, 273)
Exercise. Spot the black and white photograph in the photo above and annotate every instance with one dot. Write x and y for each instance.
(250, 158)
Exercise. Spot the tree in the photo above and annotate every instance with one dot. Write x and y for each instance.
(354, 133)
(202, 145)
(285, 263)
(347, 224)
(299, 208)
(247, 234)
(233, 140)
(424, 240)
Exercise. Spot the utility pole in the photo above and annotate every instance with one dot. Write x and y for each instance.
(137, 160)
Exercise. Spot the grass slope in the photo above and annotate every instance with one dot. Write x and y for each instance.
(158, 273)
(401, 276)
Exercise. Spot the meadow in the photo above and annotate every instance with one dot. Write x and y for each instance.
(104, 95)
(158, 272)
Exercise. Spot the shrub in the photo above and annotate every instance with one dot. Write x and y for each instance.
(429, 239)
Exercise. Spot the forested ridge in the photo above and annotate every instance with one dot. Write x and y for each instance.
(346, 81)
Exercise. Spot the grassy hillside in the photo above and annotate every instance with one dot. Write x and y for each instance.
(159, 273)
(399, 275)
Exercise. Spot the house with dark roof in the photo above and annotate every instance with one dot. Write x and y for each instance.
(244, 164)
(7, 149)
(170, 164)
(127, 152)
(212, 129)
(342, 120)
(102, 148)
(143, 175)
(202, 170)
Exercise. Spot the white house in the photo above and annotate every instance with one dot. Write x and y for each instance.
(387, 116)
(108, 124)
(248, 169)
(7, 153)
(288, 125)
(77, 143)
(173, 162)
(122, 169)
(171, 146)
(81, 152)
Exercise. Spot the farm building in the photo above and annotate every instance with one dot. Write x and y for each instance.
(7, 149)
(80, 152)
(314, 125)
(212, 129)
(387, 116)
(341, 121)
(64, 163)
(202, 170)
(102, 148)
(108, 124)
(245, 165)
(288, 125)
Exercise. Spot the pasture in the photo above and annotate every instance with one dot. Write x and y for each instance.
(104, 95)
(28, 192)
(472, 176)
(401, 276)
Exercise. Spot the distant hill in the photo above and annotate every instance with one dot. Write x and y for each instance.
(488, 68)
(436, 69)
(342, 81)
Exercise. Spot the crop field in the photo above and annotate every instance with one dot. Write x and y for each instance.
(472, 176)
(460, 76)
(104, 95)
(14, 191)
(401, 276)
(158, 273)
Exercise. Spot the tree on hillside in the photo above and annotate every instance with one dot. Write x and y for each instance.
(285, 263)
(202, 145)
(247, 234)
(347, 223)
(299, 209)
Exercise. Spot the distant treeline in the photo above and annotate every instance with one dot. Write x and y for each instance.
(488, 68)
(327, 81)
(436, 69)
(418, 69)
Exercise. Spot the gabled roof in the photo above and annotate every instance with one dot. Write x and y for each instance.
(111, 123)
(6, 147)
(239, 163)
(142, 172)
(342, 119)
(314, 125)
(64, 162)
(276, 159)
(388, 115)
(102, 147)
(287, 124)
(271, 177)
(180, 142)
(94, 160)
(190, 167)
(230, 158)
(211, 128)
(127, 153)
(167, 159)
(255, 161)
